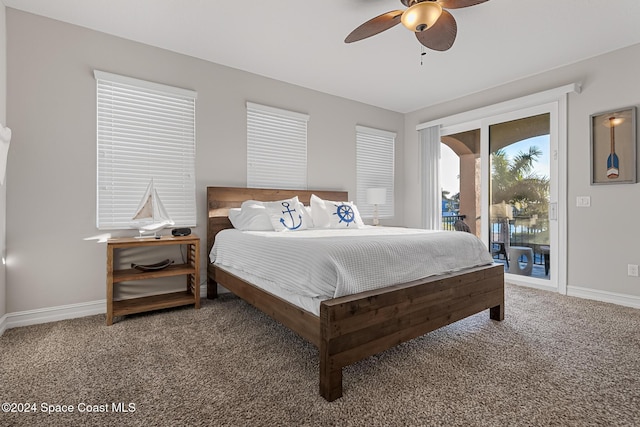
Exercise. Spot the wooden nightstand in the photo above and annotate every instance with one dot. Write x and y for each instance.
(191, 268)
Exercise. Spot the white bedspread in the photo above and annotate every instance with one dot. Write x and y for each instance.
(327, 263)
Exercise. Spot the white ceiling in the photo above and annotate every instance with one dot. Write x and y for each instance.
(302, 41)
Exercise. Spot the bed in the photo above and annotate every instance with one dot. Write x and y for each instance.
(352, 327)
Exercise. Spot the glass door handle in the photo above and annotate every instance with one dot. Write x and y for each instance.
(553, 211)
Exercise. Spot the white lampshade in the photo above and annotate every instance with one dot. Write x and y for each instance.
(376, 196)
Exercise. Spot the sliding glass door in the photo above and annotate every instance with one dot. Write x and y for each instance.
(508, 189)
(519, 194)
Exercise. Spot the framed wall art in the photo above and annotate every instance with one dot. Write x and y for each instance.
(613, 147)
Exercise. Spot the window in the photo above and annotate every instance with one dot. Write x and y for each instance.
(276, 148)
(145, 131)
(374, 168)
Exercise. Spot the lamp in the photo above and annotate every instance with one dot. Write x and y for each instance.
(375, 197)
(421, 16)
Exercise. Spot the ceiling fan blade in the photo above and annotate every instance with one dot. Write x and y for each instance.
(375, 26)
(457, 4)
(441, 35)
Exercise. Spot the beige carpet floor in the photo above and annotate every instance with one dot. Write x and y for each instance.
(553, 361)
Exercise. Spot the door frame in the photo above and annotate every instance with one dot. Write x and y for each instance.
(556, 101)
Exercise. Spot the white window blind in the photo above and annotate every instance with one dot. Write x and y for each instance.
(145, 131)
(375, 154)
(276, 148)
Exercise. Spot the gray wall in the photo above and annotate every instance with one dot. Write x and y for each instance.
(604, 238)
(3, 188)
(51, 195)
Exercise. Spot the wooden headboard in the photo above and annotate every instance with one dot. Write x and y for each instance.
(221, 199)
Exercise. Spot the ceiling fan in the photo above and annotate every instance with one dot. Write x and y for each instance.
(434, 26)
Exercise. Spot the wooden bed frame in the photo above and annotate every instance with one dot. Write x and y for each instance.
(354, 327)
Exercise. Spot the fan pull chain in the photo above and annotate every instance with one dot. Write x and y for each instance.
(422, 54)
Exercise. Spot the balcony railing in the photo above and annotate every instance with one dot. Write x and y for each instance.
(522, 231)
(448, 221)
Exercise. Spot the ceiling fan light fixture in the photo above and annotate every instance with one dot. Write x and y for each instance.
(421, 16)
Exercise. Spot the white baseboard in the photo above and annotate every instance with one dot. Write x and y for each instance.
(3, 324)
(53, 314)
(63, 312)
(586, 293)
(604, 296)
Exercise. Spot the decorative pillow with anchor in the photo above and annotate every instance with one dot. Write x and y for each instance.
(288, 215)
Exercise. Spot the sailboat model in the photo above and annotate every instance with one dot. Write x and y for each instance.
(153, 211)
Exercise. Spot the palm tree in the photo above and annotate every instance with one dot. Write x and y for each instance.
(515, 181)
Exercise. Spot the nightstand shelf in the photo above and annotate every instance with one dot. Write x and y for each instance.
(133, 274)
(191, 269)
(153, 302)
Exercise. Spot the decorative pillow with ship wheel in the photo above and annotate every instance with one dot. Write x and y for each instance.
(329, 214)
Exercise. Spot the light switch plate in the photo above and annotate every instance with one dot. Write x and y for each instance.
(583, 201)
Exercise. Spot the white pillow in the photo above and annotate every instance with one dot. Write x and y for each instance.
(251, 216)
(307, 210)
(328, 214)
(288, 215)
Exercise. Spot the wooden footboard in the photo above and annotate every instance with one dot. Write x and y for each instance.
(357, 326)
(354, 327)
